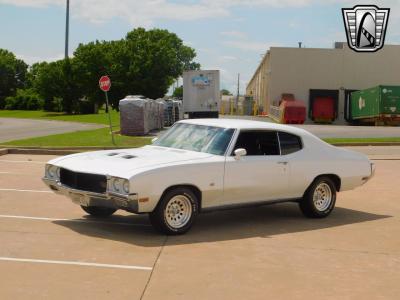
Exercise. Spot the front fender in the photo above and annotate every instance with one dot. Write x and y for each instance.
(206, 176)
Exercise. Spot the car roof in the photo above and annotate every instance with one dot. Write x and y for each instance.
(245, 124)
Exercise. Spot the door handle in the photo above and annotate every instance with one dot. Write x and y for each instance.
(282, 162)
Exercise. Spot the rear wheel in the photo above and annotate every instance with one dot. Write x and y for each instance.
(319, 200)
(97, 211)
(176, 212)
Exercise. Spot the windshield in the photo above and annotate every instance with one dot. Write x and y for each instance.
(198, 138)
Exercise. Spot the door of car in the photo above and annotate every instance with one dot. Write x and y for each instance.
(262, 174)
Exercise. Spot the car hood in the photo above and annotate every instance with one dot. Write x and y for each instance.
(126, 162)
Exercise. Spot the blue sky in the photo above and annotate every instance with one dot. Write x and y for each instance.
(229, 35)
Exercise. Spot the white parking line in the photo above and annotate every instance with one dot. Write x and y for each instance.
(22, 161)
(71, 220)
(75, 263)
(30, 191)
(15, 173)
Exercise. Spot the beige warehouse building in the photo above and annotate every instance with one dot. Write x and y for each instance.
(314, 72)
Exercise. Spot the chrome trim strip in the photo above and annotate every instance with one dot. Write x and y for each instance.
(248, 204)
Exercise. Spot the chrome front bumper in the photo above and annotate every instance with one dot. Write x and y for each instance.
(86, 198)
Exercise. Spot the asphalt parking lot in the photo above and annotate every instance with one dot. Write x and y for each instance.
(14, 129)
(50, 250)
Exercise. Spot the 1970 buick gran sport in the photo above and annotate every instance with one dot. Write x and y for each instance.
(209, 164)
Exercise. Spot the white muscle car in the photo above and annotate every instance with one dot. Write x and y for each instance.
(210, 164)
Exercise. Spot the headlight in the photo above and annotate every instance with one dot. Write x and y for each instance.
(119, 185)
(116, 185)
(126, 186)
(52, 172)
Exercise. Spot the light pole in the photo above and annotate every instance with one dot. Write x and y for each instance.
(67, 30)
(237, 95)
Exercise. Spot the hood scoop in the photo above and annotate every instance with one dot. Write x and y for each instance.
(112, 154)
(121, 155)
(128, 156)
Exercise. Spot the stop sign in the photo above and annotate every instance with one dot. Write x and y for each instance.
(105, 83)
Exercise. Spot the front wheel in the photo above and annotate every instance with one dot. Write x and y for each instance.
(97, 211)
(176, 212)
(319, 200)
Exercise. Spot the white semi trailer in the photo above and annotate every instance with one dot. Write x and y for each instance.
(201, 93)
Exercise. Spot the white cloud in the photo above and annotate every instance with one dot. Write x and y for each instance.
(29, 59)
(33, 3)
(234, 34)
(137, 13)
(228, 58)
(205, 50)
(146, 13)
(247, 45)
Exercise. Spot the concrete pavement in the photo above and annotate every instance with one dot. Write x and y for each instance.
(15, 129)
(378, 152)
(51, 250)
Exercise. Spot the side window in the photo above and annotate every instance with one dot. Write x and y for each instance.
(258, 142)
(289, 143)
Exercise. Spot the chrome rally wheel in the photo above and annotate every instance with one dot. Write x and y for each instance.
(322, 196)
(319, 199)
(178, 211)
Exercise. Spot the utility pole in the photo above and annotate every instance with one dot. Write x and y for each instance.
(67, 30)
(237, 95)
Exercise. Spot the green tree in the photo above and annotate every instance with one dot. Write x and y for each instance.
(226, 92)
(148, 62)
(178, 92)
(26, 99)
(12, 75)
(145, 63)
(56, 84)
(91, 61)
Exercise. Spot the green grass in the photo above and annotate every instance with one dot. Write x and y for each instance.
(100, 118)
(362, 140)
(101, 137)
(97, 137)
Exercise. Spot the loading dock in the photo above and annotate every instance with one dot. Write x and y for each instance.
(297, 70)
(323, 105)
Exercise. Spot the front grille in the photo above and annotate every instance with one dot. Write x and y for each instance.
(82, 181)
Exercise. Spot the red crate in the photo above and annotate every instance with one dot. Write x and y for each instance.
(293, 112)
(323, 109)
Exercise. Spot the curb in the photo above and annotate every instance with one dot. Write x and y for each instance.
(37, 151)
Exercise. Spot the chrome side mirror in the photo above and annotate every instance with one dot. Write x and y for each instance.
(154, 139)
(239, 153)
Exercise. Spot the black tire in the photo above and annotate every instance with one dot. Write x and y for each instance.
(313, 210)
(98, 211)
(159, 216)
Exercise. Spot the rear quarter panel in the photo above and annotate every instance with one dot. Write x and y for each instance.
(318, 158)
